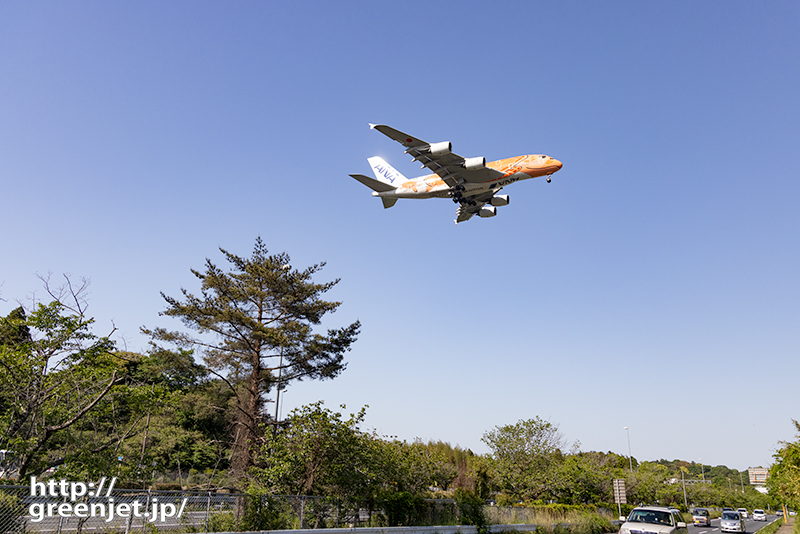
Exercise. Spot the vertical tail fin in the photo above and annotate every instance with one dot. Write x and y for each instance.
(385, 172)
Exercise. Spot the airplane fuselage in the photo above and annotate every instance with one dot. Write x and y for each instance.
(513, 169)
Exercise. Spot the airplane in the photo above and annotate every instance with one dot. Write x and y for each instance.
(469, 182)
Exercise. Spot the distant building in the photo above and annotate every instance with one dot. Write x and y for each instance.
(758, 476)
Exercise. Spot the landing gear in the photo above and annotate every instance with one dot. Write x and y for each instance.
(459, 199)
(457, 193)
(548, 179)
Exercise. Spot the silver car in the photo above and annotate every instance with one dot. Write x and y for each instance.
(731, 522)
(701, 517)
(654, 520)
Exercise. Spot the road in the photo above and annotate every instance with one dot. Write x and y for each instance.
(751, 525)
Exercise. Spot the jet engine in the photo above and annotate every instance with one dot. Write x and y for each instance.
(499, 200)
(487, 211)
(474, 164)
(439, 149)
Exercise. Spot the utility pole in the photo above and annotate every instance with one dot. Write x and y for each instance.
(741, 480)
(685, 502)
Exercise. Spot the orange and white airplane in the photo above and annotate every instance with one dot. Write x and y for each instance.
(469, 182)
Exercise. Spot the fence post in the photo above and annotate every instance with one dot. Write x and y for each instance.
(60, 519)
(302, 510)
(129, 522)
(260, 509)
(146, 508)
(208, 508)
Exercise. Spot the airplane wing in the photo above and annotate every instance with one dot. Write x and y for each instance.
(465, 212)
(469, 206)
(437, 157)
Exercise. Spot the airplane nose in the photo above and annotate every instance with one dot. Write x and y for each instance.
(557, 163)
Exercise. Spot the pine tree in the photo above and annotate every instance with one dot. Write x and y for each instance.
(255, 327)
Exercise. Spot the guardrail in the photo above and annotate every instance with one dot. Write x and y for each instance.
(450, 529)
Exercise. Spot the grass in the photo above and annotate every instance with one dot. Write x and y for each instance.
(550, 521)
(773, 527)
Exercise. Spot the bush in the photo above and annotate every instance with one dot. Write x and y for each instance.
(503, 499)
(403, 508)
(773, 527)
(471, 507)
(222, 522)
(11, 512)
(593, 524)
(266, 512)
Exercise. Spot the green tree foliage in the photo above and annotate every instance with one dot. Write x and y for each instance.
(318, 453)
(471, 508)
(525, 455)
(645, 483)
(163, 417)
(403, 508)
(408, 467)
(53, 371)
(719, 475)
(784, 475)
(456, 466)
(255, 327)
(68, 399)
(581, 478)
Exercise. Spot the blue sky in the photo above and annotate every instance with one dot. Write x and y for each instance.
(653, 284)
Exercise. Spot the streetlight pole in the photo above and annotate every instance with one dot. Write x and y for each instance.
(630, 458)
(703, 469)
(741, 479)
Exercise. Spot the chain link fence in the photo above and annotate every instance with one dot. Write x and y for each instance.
(153, 511)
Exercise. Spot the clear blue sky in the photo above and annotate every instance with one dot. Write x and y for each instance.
(654, 284)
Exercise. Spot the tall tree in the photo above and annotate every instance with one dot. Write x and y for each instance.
(255, 327)
(784, 475)
(53, 371)
(525, 455)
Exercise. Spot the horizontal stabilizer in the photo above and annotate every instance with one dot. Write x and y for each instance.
(373, 184)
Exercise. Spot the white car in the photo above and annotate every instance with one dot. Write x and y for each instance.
(742, 511)
(701, 517)
(731, 522)
(759, 515)
(654, 520)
